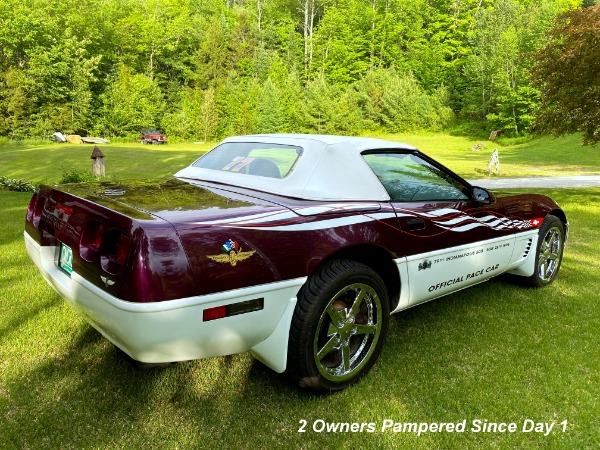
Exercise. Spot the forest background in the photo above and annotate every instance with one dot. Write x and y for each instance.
(203, 69)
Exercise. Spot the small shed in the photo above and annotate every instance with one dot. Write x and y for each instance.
(98, 167)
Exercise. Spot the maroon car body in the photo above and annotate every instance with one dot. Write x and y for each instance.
(196, 265)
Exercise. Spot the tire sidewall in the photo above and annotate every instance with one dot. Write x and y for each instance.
(311, 377)
(549, 222)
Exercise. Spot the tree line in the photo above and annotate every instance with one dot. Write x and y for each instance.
(203, 69)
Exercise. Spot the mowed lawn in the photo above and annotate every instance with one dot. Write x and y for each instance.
(541, 157)
(495, 352)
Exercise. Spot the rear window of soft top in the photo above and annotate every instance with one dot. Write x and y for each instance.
(252, 158)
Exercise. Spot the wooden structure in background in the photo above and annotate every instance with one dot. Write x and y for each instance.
(98, 167)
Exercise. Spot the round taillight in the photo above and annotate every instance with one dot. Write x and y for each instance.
(114, 252)
(31, 207)
(37, 210)
(91, 241)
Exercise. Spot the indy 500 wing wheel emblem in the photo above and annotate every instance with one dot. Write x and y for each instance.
(232, 253)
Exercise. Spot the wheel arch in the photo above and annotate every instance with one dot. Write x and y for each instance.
(563, 218)
(377, 258)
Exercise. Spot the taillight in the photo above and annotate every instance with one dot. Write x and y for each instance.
(31, 207)
(91, 241)
(37, 210)
(122, 250)
(97, 237)
(114, 251)
(67, 210)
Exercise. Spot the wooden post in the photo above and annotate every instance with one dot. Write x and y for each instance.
(98, 168)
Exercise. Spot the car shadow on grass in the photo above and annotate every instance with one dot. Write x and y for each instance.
(442, 361)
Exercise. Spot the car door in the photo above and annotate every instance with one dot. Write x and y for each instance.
(450, 239)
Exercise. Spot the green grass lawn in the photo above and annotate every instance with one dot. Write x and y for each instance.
(546, 156)
(495, 352)
(541, 157)
(46, 163)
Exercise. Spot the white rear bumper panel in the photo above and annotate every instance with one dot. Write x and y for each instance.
(174, 330)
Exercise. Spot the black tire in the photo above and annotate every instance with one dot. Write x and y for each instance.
(338, 327)
(549, 252)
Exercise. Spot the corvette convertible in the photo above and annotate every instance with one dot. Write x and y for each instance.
(294, 247)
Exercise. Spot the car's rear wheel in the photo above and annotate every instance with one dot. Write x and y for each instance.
(338, 327)
(549, 252)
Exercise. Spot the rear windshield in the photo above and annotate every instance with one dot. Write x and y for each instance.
(252, 158)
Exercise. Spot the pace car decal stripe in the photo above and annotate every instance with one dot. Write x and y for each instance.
(323, 224)
(276, 216)
(254, 218)
(447, 219)
(462, 219)
(437, 213)
(335, 208)
(494, 222)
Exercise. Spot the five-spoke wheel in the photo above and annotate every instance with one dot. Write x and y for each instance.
(348, 331)
(338, 326)
(549, 251)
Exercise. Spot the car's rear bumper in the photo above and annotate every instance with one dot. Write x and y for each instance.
(174, 330)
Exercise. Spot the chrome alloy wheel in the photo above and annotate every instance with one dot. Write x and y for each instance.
(550, 254)
(348, 332)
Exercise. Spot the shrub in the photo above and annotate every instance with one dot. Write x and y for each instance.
(74, 176)
(16, 184)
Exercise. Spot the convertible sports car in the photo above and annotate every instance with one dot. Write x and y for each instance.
(294, 247)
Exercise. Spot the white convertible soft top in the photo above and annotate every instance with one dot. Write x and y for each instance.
(331, 168)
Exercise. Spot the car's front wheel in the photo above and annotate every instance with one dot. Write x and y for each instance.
(338, 327)
(549, 252)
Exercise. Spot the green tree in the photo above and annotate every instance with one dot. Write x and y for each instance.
(567, 73)
(209, 115)
(131, 102)
(318, 112)
(236, 100)
(499, 68)
(15, 107)
(397, 103)
(269, 117)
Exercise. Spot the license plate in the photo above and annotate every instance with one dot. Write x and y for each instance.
(65, 258)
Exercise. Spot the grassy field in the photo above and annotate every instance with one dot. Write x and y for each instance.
(540, 157)
(495, 352)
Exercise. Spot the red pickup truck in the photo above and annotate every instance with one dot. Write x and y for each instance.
(149, 136)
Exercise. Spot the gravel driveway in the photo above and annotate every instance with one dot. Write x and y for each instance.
(538, 182)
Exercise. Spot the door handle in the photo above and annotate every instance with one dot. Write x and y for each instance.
(415, 224)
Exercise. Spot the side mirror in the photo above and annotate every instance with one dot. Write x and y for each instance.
(481, 195)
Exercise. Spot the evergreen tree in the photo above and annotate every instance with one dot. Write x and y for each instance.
(269, 118)
(209, 115)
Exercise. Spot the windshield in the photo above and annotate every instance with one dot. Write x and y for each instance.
(252, 158)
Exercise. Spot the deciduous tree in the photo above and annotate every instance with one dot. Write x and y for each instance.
(568, 74)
